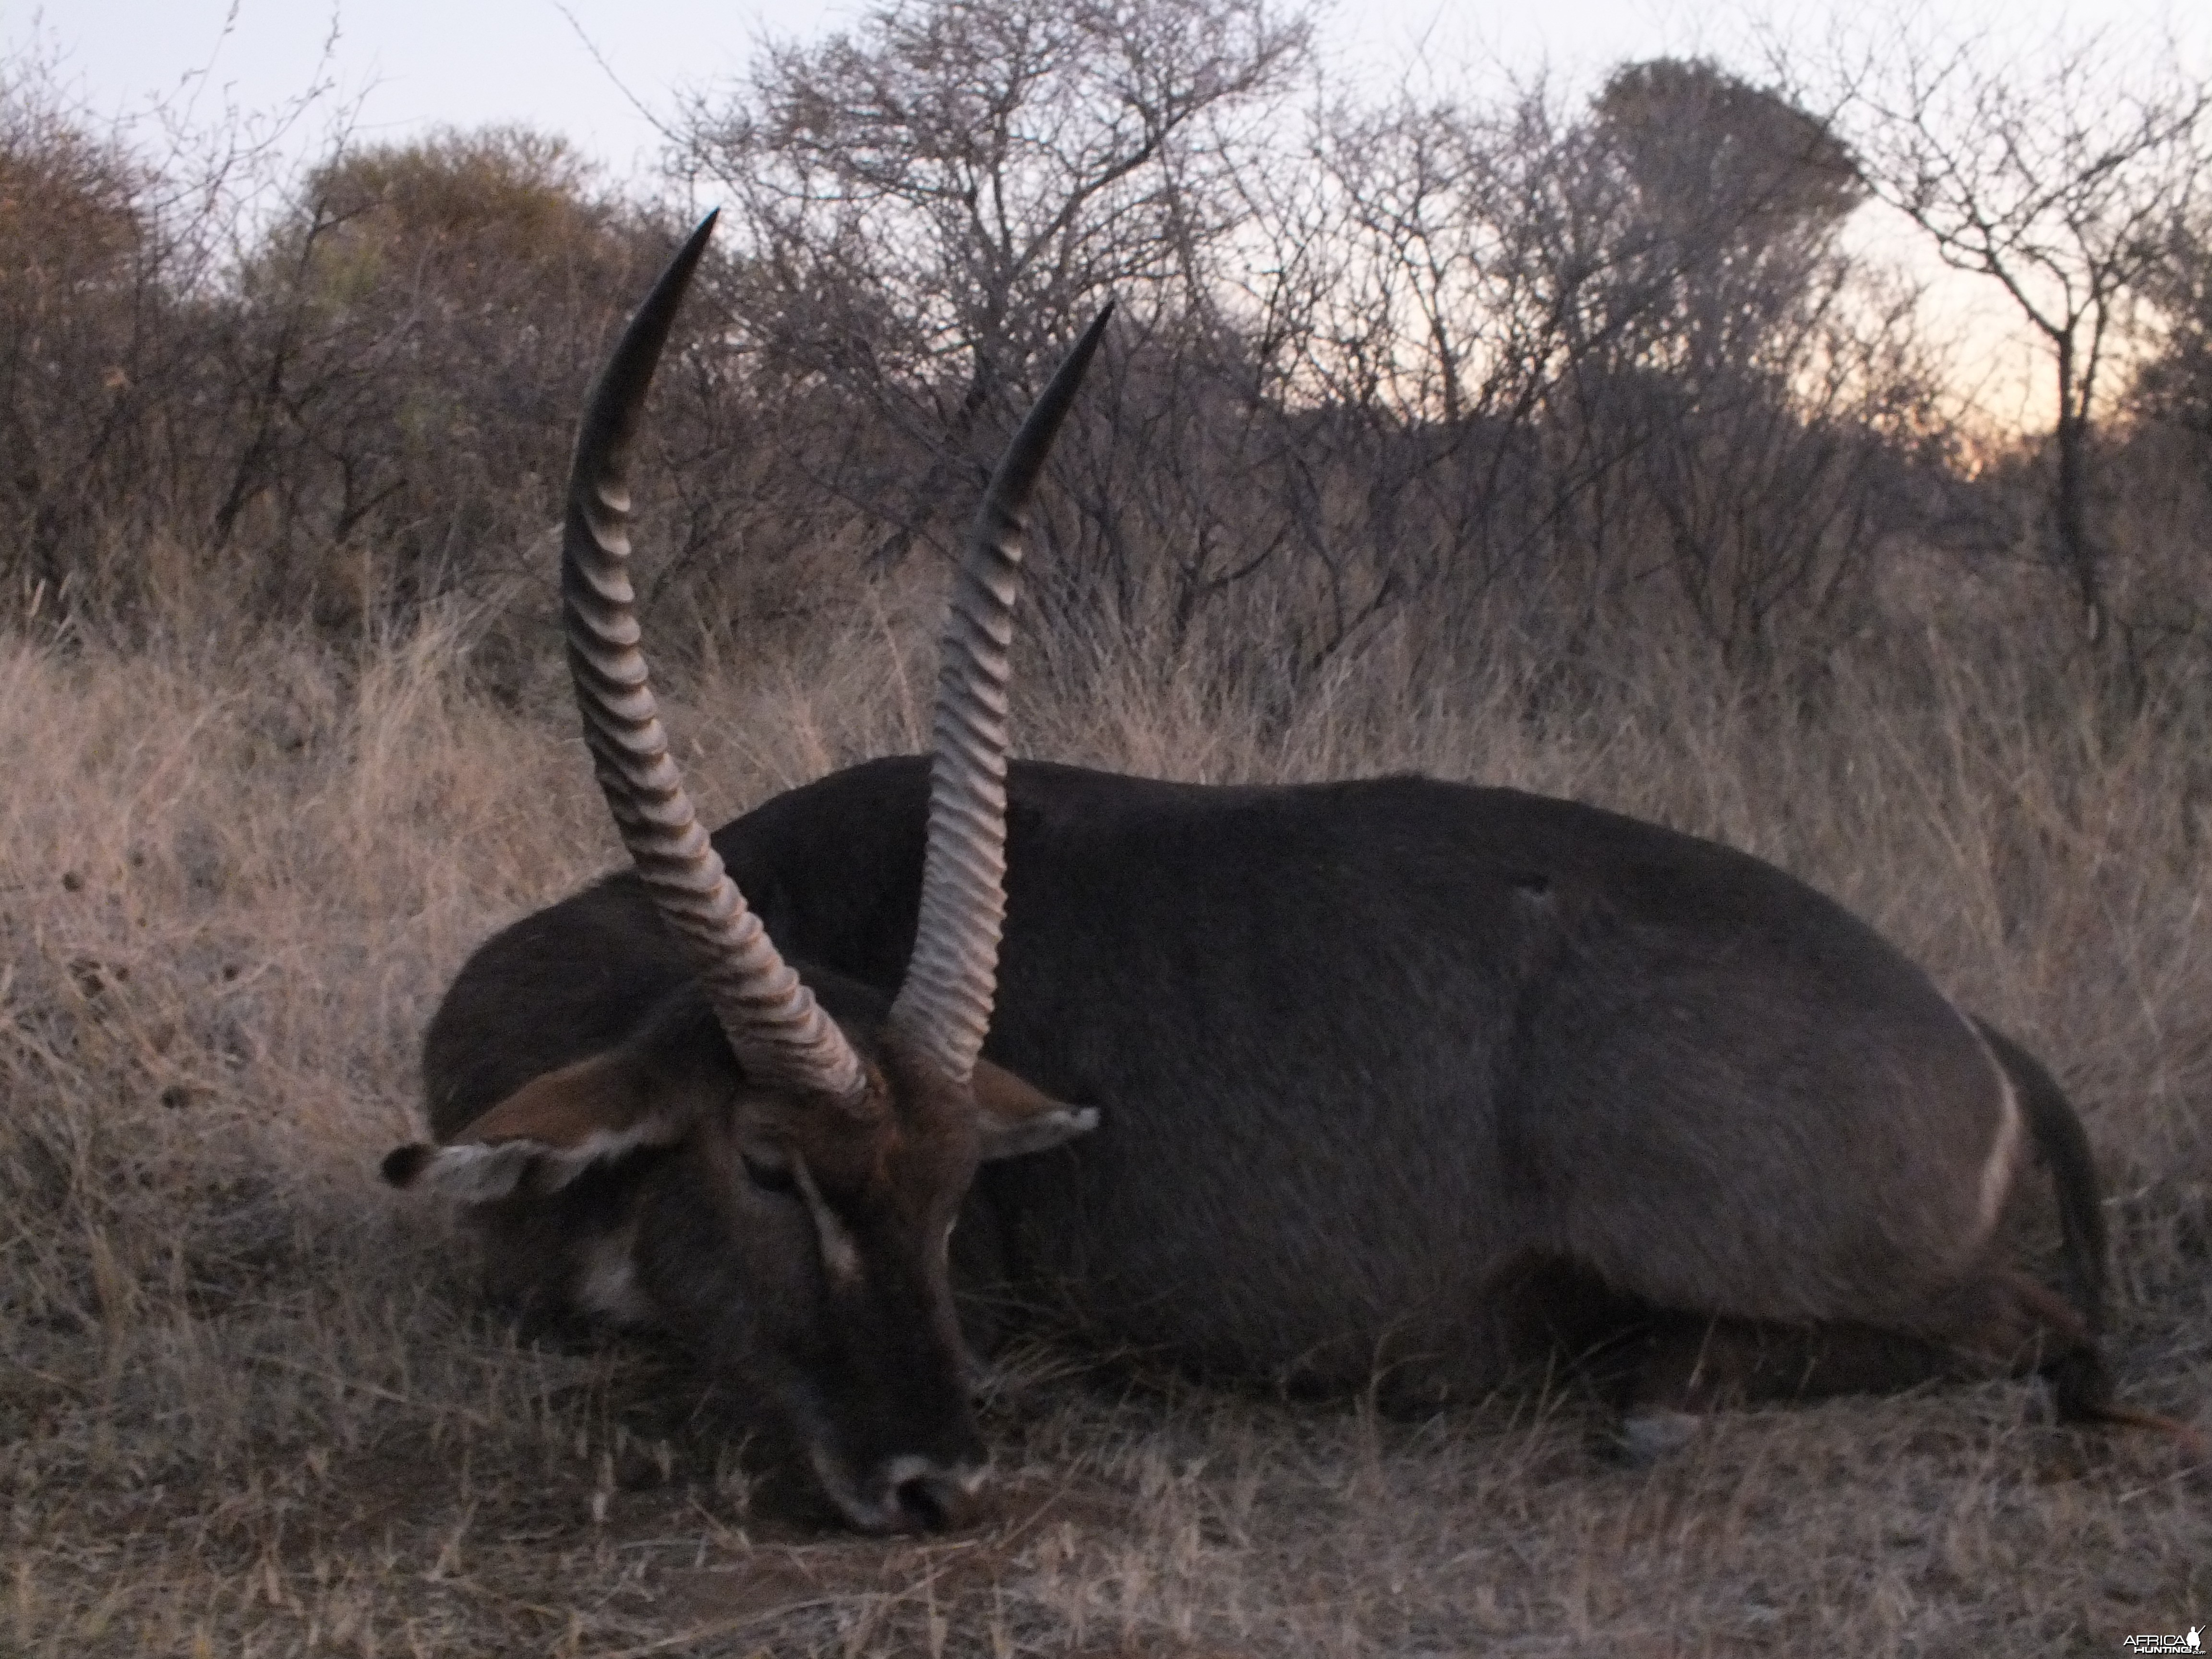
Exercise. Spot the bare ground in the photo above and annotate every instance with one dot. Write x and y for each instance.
(247, 1405)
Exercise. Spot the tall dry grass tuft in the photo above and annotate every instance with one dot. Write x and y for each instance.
(245, 1402)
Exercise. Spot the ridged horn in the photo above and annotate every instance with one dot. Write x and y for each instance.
(779, 1035)
(943, 1005)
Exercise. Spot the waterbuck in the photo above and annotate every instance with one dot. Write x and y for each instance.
(1393, 1081)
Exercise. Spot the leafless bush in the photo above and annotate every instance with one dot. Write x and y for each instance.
(2061, 178)
(88, 355)
(404, 350)
(1588, 374)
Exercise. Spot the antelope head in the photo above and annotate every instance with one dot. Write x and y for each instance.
(804, 1157)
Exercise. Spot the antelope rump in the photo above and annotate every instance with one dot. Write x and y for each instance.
(1390, 1083)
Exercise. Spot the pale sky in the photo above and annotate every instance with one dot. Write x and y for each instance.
(419, 63)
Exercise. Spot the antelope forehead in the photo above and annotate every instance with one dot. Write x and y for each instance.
(851, 1164)
(886, 1160)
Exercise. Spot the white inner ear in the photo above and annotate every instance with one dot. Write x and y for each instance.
(1013, 1137)
(473, 1173)
(476, 1174)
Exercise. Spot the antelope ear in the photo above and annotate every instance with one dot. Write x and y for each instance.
(551, 1130)
(1015, 1118)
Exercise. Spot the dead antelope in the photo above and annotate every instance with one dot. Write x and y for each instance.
(1395, 1077)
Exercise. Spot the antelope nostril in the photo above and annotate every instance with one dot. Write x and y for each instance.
(924, 1502)
(938, 1500)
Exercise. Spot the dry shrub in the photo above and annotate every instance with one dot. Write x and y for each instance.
(246, 1405)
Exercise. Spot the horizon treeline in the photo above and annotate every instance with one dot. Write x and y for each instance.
(1538, 374)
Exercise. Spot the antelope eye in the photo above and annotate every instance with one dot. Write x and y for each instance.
(770, 1177)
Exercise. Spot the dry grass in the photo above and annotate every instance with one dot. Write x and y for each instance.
(246, 1405)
